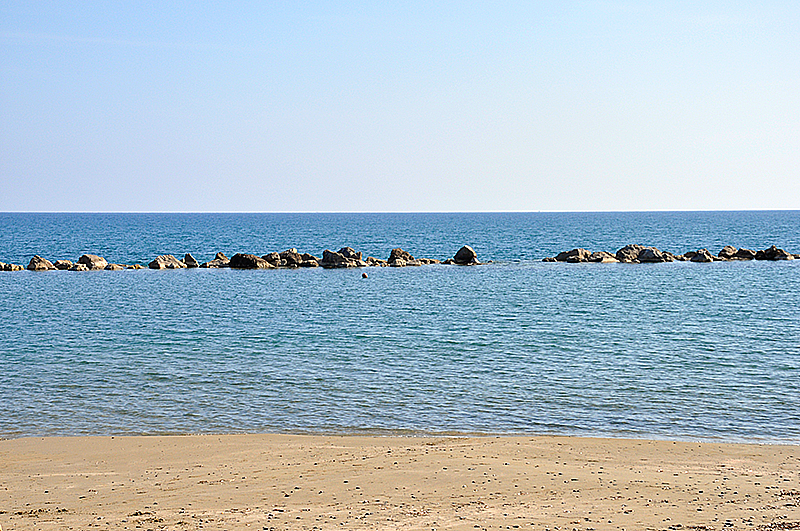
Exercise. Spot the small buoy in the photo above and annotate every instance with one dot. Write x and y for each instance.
(364, 275)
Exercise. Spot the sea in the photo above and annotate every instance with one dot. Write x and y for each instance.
(678, 351)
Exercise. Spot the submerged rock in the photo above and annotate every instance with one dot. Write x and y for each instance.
(38, 263)
(466, 256)
(166, 261)
(114, 267)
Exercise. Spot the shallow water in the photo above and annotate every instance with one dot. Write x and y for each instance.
(678, 350)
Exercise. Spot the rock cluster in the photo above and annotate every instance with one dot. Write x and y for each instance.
(640, 254)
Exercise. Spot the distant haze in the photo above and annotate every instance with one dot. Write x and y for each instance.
(413, 106)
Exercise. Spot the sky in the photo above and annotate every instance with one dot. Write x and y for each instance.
(351, 106)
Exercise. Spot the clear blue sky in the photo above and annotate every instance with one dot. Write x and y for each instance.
(406, 106)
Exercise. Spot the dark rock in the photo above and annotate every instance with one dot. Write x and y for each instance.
(13, 267)
(629, 253)
(548, 259)
(573, 256)
(190, 261)
(248, 261)
(93, 262)
(466, 256)
(79, 267)
(38, 263)
(308, 263)
(166, 261)
(63, 265)
(728, 253)
(350, 253)
(307, 257)
(650, 255)
(449, 261)
(745, 254)
(702, 256)
(273, 258)
(291, 258)
(773, 253)
(399, 254)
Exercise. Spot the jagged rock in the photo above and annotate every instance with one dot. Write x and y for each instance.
(92, 261)
(166, 261)
(773, 253)
(466, 256)
(308, 263)
(450, 261)
(602, 257)
(114, 267)
(629, 253)
(62, 264)
(248, 261)
(38, 263)
(13, 267)
(190, 261)
(399, 254)
(220, 260)
(745, 254)
(701, 255)
(79, 267)
(728, 252)
(306, 257)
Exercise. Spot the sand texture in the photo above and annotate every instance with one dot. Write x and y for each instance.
(321, 482)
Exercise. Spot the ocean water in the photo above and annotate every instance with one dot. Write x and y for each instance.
(676, 350)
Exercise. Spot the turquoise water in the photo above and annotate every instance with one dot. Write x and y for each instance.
(676, 350)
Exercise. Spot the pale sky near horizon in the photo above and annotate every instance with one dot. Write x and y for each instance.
(408, 106)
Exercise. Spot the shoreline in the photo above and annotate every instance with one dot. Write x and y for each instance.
(453, 481)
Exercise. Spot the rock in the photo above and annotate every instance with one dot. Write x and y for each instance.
(650, 255)
(548, 259)
(248, 261)
(38, 263)
(308, 263)
(291, 257)
(364, 275)
(449, 261)
(573, 256)
(93, 262)
(466, 256)
(136, 266)
(273, 258)
(428, 261)
(63, 265)
(220, 260)
(702, 256)
(166, 261)
(773, 253)
(306, 257)
(114, 267)
(350, 253)
(376, 262)
(745, 254)
(602, 257)
(190, 261)
(79, 267)
(332, 260)
(13, 267)
(728, 252)
(399, 254)
(629, 253)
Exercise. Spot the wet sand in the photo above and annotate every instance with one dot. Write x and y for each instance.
(352, 482)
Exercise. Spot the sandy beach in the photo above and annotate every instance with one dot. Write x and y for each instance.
(352, 482)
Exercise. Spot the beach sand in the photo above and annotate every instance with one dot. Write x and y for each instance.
(352, 482)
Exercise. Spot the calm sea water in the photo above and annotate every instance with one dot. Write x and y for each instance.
(678, 350)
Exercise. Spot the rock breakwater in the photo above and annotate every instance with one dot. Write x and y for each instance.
(641, 254)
